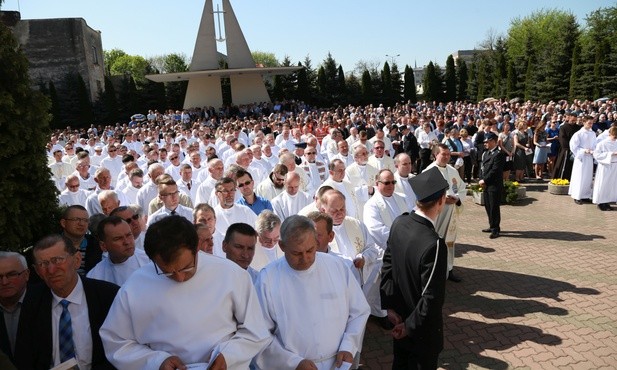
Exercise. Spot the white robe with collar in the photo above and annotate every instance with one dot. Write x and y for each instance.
(285, 205)
(313, 314)
(118, 273)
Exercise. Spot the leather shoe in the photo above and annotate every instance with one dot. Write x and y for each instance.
(453, 277)
(487, 230)
(494, 235)
(577, 201)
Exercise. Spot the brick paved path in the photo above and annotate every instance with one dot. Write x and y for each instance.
(543, 296)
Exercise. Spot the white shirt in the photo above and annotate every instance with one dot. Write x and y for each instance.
(80, 322)
(285, 205)
(70, 198)
(163, 212)
(192, 320)
(264, 255)
(327, 315)
(118, 273)
(379, 213)
(237, 213)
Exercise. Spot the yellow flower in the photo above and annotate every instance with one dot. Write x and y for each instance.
(560, 182)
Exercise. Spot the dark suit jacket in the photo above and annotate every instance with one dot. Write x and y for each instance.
(5, 344)
(34, 348)
(492, 169)
(407, 265)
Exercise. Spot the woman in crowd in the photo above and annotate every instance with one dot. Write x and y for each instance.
(468, 153)
(522, 145)
(506, 144)
(540, 141)
(553, 138)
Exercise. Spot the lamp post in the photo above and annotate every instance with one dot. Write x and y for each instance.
(392, 57)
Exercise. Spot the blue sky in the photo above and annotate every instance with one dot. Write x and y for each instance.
(416, 31)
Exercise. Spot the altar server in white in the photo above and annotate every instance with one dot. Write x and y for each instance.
(165, 317)
(312, 304)
(605, 188)
(582, 144)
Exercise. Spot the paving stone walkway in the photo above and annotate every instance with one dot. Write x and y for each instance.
(542, 296)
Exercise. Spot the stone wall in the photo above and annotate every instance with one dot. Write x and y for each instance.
(57, 48)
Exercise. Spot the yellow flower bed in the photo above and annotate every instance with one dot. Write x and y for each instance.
(561, 182)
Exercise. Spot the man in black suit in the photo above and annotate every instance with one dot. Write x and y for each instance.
(563, 163)
(491, 180)
(414, 277)
(14, 276)
(63, 317)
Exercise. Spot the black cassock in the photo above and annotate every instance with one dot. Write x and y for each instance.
(407, 266)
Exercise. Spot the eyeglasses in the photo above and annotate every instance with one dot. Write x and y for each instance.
(379, 147)
(279, 179)
(309, 153)
(173, 158)
(70, 186)
(243, 184)
(69, 148)
(170, 194)
(52, 261)
(185, 270)
(112, 151)
(134, 217)
(11, 275)
(77, 219)
(226, 191)
(393, 182)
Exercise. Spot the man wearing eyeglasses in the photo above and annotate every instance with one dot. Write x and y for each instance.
(116, 238)
(274, 184)
(74, 224)
(268, 226)
(170, 196)
(228, 211)
(315, 170)
(134, 219)
(206, 188)
(72, 194)
(245, 184)
(113, 163)
(65, 314)
(14, 275)
(195, 322)
(173, 168)
(379, 159)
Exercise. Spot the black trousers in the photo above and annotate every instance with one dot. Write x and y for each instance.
(425, 159)
(492, 201)
(404, 359)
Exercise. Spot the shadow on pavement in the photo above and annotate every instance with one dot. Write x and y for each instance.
(465, 340)
(512, 284)
(554, 235)
(497, 309)
(462, 249)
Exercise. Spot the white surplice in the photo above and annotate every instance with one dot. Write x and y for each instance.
(582, 169)
(118, 273)
(237, 213)
(216, 311)
(285, 205)
(313, 314)
(605, 184)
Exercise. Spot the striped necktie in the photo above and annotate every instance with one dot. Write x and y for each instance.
(65, 333)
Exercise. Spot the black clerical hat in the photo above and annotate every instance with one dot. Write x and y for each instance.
(428, 185)
(300, 145)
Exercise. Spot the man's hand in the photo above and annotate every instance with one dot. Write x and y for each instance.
(219, 363)
(482, 184)
(394, 318)
(399, 331)
(359, 262)
(306, 365)
(451, 200)
(172, 363)
(343, 356)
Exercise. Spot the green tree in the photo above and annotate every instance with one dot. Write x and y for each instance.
(461, 80)
(500, 69)
(27, 195)
(85, 115)
(450, 79)
(368, 92)
(133, 65)
(409, 85)
(432, 83)
(511, 82)
(472, 85)
(341, 83)
(386, 85)
(303, 91)
(55, 109)
(397, 83)
(264, 58)
(110, 57)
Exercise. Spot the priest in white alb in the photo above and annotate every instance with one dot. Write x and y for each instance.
(402, 175)
(582, 145)
(186, 308)
(605, 188)
(228, 211)
(337, 181)
(312, 304)
(447, 221)
(292, 200)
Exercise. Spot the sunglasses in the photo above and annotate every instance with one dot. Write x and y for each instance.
(173, 158)
(243, 184)
(393, 182)
(132, 218)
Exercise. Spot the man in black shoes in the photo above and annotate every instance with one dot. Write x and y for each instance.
(491, 180)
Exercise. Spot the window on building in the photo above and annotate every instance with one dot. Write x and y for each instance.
(95, 55)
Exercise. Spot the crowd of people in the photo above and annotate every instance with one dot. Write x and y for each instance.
(264, 236)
